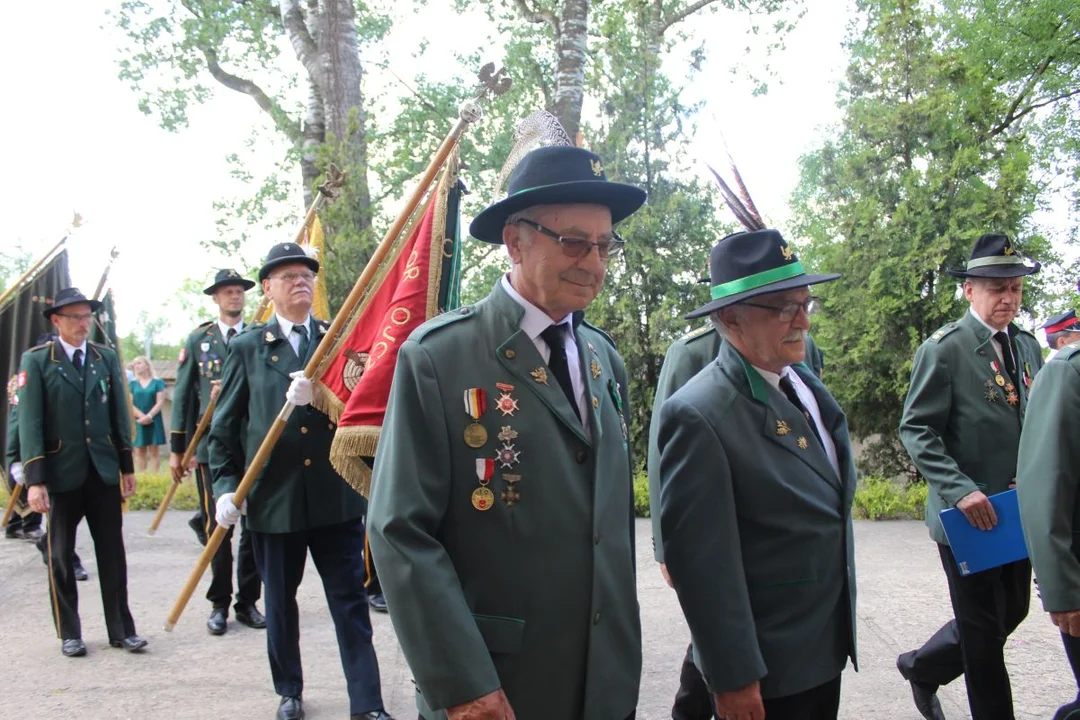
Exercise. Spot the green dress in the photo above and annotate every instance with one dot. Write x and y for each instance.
(144, 398)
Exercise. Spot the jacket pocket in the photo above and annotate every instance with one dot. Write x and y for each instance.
(59, 443)
(501, 634)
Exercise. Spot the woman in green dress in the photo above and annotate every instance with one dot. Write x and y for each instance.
(147, 398)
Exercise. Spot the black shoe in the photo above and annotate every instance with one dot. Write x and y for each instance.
(73, 647)
(373, 715)
(291, 708)
(925, 696)
(218, 623)
(24, 534)
(249, 615)
(377, 602)
(200, 530)
(131, 644)
(79, 570)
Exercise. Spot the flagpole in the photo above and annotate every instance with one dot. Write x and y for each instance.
(469, 113)
(200, 430)
(11, 505)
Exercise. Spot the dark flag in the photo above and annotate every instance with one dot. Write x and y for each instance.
(104, 330)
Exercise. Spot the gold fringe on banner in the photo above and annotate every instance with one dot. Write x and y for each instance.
(351, 446)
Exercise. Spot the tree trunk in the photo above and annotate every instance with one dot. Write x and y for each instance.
(314, 137)
(571, 45)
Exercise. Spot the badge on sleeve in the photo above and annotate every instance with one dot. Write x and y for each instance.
(22, 379)
(183, 355)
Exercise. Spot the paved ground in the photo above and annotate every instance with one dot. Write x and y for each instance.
(188, 674)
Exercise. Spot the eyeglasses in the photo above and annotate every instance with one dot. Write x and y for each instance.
(292, 277)
(788, 311)
(80, 317)
(579, 247)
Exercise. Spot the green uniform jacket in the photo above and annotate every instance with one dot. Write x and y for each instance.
(757, 529)
(68, 423)
(202, 360)
(958, 426)
(683, 360)
(1048, 480)
(538, 597)
(298, 489)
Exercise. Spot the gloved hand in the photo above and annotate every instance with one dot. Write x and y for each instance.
(299, 393)
(228, 514)
(17, 473)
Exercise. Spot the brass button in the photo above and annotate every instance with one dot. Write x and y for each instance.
(596, 619)
(595, 401)
(596, 538)
(582, 456)
(87, 441)
(303, 430)
(509, 354)
(307, 463)
(87, 422)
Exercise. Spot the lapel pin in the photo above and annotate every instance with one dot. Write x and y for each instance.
(801, 442)
(594, 367)
(782, 428)
(540, 375)
(507, 434)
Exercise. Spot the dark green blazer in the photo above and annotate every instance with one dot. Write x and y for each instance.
(538, 596)
(202, 360)
(69, 423)
(958, 426)
(1048, 480)
(757, 530)
(682, 361)
(298, 489)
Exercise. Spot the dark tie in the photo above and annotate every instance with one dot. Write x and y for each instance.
(555, 337)
(1008, 356)
(76, 360)
(230, 335)
(301, 351)
(793, 397)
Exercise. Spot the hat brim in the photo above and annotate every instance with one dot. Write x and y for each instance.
(779, 286)
(996, 271)
(268, 267)
(620, 198)
(95, 305)
(243, 282)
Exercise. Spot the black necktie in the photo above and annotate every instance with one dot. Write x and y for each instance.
(793, 397)
(301, 351)
(230, 335)
(1008, 356)
(555, 337)
(76, 360)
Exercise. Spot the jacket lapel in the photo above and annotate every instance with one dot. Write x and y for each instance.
(94, 371)
(277, 352)
(59, 361)
(985, 354)
(596, 390)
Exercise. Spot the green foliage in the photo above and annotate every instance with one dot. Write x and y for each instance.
(931, 153)
(641, 493)
(149, 492)
(877, 498)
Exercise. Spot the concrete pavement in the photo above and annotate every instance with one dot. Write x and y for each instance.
(189, 674)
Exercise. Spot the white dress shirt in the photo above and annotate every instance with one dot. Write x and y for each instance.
(238, 327)
(294, 338)
(536, 321)
(993, 340)
(70, 350)
(806, 395)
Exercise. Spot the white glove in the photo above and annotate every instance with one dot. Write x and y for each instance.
(299, 393)
(17, 473)
(228, 514)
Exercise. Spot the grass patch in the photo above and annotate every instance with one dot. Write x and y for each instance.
(149, 490)
(877, 498)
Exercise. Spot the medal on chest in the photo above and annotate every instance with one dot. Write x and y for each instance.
(475, 404)
(482, 497)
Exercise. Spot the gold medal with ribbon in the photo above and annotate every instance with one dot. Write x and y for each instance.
(482, 497)
(475, 404)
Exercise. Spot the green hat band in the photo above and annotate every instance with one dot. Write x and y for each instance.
(995, 260)
(753, 282)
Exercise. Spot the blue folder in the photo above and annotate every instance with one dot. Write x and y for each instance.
(977, 550)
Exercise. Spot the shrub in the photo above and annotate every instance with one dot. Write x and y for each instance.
(641, 494)
(149, 490)
(877, 498)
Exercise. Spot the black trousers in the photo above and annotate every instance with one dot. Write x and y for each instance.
(987, 607)
(338, 554)
(693, 701)
(817, 703)
(1071, 711)
(100, 505)
(248, 583)
(29, 521)
(204, 514)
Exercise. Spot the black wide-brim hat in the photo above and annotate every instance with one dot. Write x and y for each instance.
(69, 296)
(993, 256)
(748, 264)
(226, 277)
(285, 254)
(557, 175)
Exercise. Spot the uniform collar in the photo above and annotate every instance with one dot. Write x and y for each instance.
(70, 349)
(287, 325)
(225, 328)
(985, 324)
(535, 320)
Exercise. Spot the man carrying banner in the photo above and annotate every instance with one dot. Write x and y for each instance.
(501, 510)
(75, 440)
(298, 503)
(197, 381)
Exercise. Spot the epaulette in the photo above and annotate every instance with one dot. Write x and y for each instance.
(42, 346)
(440, 321)
(208, 323)
(253, 326)
(1028, 333)
(99, 346)
(943, 331)
(1068, 352)
(695, 334)
(602, 333)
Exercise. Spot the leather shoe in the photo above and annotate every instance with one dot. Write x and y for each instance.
(377, 602)
(200, 530)
(249, 615)
(73, 647)
(291, 708)
(925, 696)
(217, 623)
(79, 570)
(131, 644)
(373, 715)
(31, 534)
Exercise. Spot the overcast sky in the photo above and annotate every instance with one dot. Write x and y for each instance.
(76, 140)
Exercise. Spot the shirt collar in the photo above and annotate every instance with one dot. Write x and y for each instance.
(70, 349)
(985, 324)
(287, 325)
(774, 378)
(535, 320)
(225, 327)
